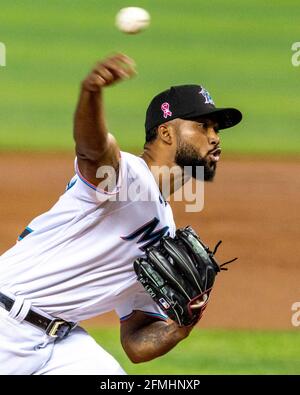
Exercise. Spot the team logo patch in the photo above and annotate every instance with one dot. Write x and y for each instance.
(207, 97)
(164, 303)
(165, 107)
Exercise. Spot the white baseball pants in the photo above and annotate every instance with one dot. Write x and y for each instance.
(26, 350)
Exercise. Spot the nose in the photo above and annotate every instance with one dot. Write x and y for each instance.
(213, 137)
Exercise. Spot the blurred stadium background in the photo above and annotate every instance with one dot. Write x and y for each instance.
(241, 52)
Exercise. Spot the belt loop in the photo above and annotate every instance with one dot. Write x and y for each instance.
(21, 310)
(17, 306)
(24, 311)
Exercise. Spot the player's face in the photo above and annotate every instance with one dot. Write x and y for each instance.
(198, 144)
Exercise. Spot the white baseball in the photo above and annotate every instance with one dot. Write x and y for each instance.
(132, 20)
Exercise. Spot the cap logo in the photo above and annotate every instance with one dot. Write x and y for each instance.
(165, 107)
(207, 97)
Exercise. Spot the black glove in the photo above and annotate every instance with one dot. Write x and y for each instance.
(179, 275)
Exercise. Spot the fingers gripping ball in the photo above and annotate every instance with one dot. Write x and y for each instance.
(179, 275)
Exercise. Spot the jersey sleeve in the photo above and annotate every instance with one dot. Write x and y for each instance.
(140, 300)
(86, 192)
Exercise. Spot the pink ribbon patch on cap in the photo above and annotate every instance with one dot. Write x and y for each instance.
(166, 109)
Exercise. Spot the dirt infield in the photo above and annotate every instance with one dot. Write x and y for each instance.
(253, 206)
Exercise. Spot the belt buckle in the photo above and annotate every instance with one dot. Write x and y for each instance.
(55, 326)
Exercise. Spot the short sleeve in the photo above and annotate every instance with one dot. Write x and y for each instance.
(138, 299)
(84, 191)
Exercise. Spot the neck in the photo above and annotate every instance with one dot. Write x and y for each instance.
(168, 175)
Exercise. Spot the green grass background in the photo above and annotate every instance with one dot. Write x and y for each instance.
(216, 352)
(239, 50)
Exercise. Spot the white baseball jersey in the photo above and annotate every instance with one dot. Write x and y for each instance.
(76, 260)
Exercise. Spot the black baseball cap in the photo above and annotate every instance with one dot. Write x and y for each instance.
(188, 102)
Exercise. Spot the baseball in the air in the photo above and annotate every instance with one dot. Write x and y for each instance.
(132, 20)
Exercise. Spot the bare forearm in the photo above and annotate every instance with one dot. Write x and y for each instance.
(90, 132)
(156, 339)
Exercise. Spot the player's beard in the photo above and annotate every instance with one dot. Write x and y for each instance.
(188, 158)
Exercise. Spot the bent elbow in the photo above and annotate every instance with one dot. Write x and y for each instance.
(135, 359)
(134, 353)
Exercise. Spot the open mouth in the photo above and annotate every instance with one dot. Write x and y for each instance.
(215, 154)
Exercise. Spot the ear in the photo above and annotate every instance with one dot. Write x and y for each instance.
(166, 133)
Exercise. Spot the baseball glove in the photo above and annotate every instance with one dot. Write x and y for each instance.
(179, 275)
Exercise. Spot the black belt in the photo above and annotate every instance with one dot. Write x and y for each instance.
(54, 328)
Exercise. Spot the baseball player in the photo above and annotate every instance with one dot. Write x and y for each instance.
(75, 261)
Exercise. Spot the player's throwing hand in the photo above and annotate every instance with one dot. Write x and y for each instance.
(109, 71)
